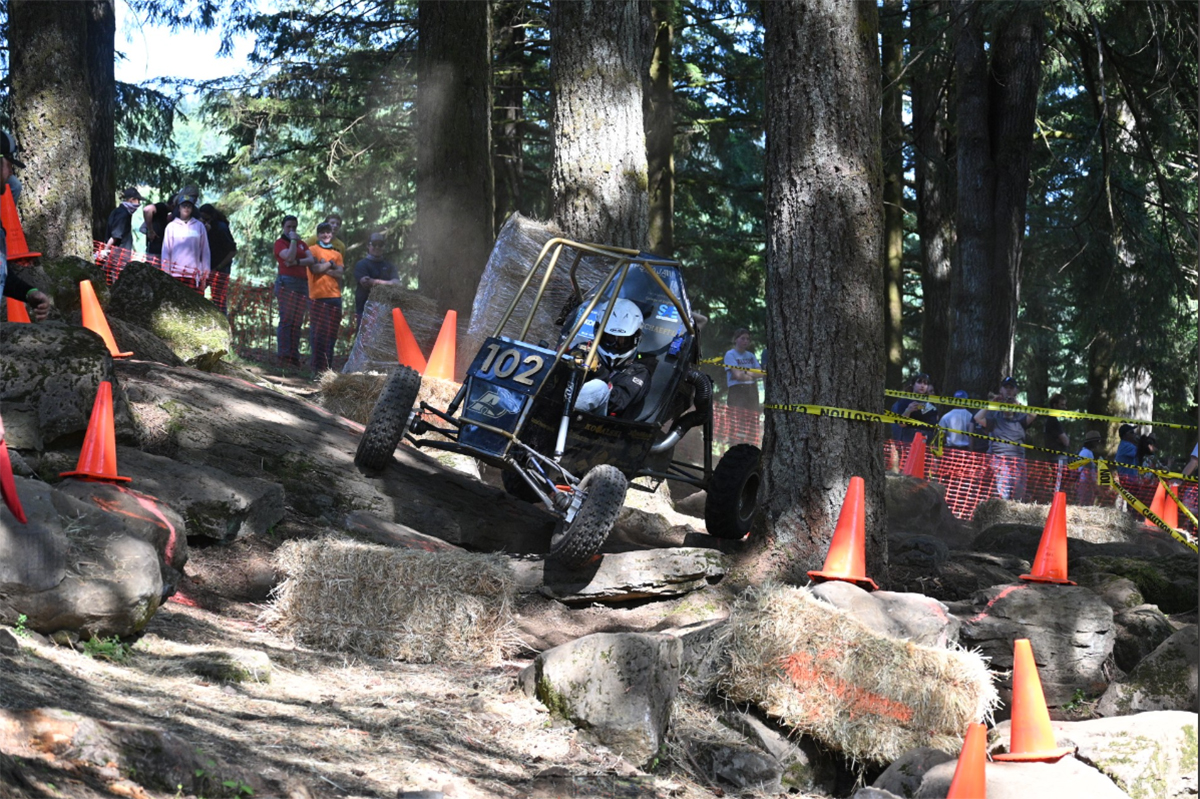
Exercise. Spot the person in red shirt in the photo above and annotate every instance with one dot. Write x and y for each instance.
(292, 258)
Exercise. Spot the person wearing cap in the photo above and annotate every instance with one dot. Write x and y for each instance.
(371, 271)
(185, 252)
(324, 298)
(958, 423)
(120, 225)
(921, 410)
(334, 221)
(1009, 427)
(1086, 495)
(12, 285)
(1127, 451)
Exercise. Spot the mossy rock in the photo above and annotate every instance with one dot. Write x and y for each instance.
(189, 324)
(1169, 581)
(62, 277)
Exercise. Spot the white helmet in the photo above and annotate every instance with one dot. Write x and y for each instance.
(619, 341)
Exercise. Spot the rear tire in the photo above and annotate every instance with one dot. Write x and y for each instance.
(388, 419)
(732, 501)
(579, 541)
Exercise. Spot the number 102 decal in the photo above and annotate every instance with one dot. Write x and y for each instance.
(508, 361)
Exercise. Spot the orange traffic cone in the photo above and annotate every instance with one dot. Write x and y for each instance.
(94, 319)
(441, 360)
(407, 351)
(17, 312)
(1032, 735)
(1050, 565)
(98, 458)
(1170, 512)
(1157, 504)
(847, 557)
(8, 486)
(970, 781)
(914, 461)
(18, 248)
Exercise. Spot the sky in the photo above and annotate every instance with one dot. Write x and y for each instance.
(154, 52)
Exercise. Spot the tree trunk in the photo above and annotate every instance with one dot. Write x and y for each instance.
(101, 35)
(598, 180)
(995, 126)
(660, 133)
(891, 22)
(508, 156)
(933, 145)
(823, 181)
(52, 112)
(454, 160)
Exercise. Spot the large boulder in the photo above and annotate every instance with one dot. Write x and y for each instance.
(1069, 627)
(910, 617)
(1164, 680)
(618, 687)
(190, 325)
(919, 507)
(60, 278)
(903, 777)
(1140, 630)
(75, 568)
(1169, 581)
(959, 577)
(1067, 777)
(49, 374)
(1149, 755)
(1089, 523)
(628, 576)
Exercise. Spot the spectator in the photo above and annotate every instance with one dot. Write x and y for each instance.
(1147, 454)
(156, 217)
(1087, 473)
(373, 270)
(222, 247)
(1127, 451)
(292, 259)
(1009, 426)
(185, 252)
(11, 285)
(336, 222)
(921, 410)
(743, 385)
(120, 226)
(325, 298)
(1190, 468)
(958, 422)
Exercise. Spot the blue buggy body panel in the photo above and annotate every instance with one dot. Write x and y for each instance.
(500, 382)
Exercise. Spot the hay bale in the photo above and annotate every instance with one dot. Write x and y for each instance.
(1099, 525)
(345, 596)
(375, 345)
(822, 672)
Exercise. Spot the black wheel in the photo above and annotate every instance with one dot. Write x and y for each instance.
(605, 488)
(732, 500)
(516, 486)
(388, 419)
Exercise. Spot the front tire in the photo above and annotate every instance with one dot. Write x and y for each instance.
(579, 541)
(732, 501)
(388, 419)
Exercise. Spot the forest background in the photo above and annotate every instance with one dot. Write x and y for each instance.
(322, 117)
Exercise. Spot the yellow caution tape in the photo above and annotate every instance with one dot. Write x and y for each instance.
(1106, 477)
(992, 405)
(721, 361)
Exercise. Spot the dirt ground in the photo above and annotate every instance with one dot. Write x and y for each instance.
(325, 725)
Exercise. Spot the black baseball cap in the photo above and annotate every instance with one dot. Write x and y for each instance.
(377, 238)
(131, 194)
(1009, 381)
(8, 148)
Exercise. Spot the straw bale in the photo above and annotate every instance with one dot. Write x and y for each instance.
(354, 395)
(419, 607)
(1100, 525)
(375, 346)
(821, 671)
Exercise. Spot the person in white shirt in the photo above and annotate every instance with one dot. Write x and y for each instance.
(743, 385)
(185, 251)
(959, 421)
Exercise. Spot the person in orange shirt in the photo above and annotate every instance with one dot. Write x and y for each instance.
(325, 298)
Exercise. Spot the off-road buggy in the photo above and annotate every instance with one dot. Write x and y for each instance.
(516, 409)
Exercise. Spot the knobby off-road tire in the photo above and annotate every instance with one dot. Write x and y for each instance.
(732, 501)
(605, 487)
(388, 419)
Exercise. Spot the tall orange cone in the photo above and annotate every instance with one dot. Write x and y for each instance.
(914, 461)
(1170, 512)
(18, 248)
(1050, 564)
(1032, 735)
(8, 486)
(98, 458)
(970, 781)
(94, 319)
(407, 351)
(17, 312)
(441, 360)
(847, 557)
(1158, 503)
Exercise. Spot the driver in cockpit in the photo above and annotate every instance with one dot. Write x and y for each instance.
(621, 382)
